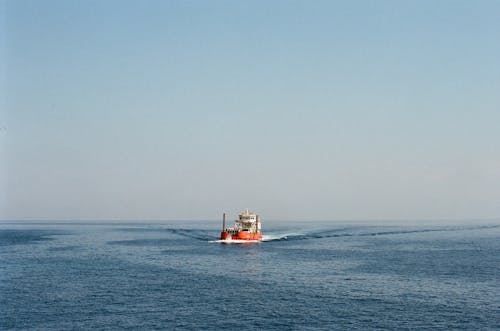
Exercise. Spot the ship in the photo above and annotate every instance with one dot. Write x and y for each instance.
(247, 228)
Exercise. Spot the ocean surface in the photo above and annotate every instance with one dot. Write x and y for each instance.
(305, 276)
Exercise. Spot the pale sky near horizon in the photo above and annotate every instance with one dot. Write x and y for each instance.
(145, 110)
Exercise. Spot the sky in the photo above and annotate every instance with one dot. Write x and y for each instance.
(297, 110)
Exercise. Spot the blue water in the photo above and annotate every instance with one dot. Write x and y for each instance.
(311, 276)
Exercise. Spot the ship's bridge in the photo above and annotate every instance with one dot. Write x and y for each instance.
(247, 217)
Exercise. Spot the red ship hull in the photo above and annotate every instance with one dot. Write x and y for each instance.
(241, 235)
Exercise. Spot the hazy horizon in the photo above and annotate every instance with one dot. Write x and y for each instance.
(297, 110)
(216, 221)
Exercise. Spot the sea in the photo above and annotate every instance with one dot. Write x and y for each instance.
(174, 275)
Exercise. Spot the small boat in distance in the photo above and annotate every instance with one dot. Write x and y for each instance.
(246, 229)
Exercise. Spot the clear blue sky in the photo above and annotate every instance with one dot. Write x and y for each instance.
(294, 109)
